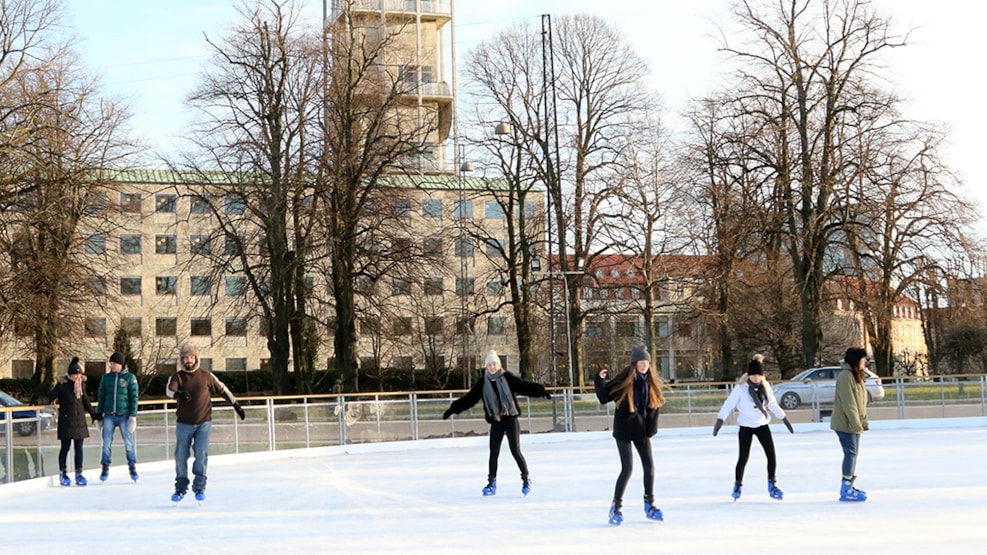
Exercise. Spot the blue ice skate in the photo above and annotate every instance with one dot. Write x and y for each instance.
(525, 485)
(80, 480)
(63, 478)
(650, 511)
(736, 490)
(773, 491)
(615, 515)
(490, 488)
(850, 493)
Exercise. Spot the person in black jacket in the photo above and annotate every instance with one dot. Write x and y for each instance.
(73, 406)
(498, 389)
(637, 392)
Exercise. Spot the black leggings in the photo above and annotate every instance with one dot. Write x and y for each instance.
(746, 437)
(509, 426)
(643, 447)
(63, 454)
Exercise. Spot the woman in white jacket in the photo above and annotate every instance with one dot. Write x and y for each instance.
(753, 398)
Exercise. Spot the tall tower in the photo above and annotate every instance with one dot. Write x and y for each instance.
(424, 58)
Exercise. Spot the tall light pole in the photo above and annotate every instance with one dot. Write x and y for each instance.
(464, 168)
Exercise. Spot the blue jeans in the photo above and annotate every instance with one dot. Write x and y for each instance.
(196, 438)
(850, 444)
(110, 423)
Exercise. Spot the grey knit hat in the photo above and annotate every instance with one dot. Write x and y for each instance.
(639, 353)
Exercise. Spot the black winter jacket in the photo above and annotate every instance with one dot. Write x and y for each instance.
(72, 411)
(475, 394)
(627, 425)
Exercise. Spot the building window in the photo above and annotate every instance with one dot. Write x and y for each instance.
(165, 244)
(492, 210)
(201, 285)
(635, 293)
(199, 204)
(462, 209)
(232, 246)
(165, 285)
(235, 285)
(662, 326)
(432, 246)
(95, 244)
(166, 327)
(132, 326)
(130, 285)
(402, 326)
(237, 364)
(496, 325)
(370, 326)
(463, 247)
(464, 326)
(201, 327)
(402, 207)
(236, 327)
(130, 203)
(234, 204)
(433, 286)
(464, 285)
(168, 366)
(626, 328)
(165, 203)
(495, 247)
(495, 287)
(200, 244)
(433, 326)
(400, 286)
(98, 285)
(22, 369)
(95, 327)
(130, 244)
(432, 208)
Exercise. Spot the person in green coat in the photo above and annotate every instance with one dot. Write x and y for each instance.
(849, 418)
(117, 402)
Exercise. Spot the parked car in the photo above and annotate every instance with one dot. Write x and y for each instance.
(820, 382)
(26, 420)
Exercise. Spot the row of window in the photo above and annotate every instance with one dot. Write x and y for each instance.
(168, 327)
(461, 209)
(434, 326)
(168, 285)
(163, 244)
(21, 368)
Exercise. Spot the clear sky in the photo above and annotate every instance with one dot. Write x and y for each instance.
(151, 53)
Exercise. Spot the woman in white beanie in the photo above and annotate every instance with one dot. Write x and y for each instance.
(753, 398)
(498, 389)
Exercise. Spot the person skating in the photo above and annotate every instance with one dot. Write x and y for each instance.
(753, 398)
(849, 418)
(117, 403)
(497, 389)
(192, 388)
(73, 406)
(637, 392)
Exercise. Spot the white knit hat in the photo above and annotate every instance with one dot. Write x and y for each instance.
(493, 357)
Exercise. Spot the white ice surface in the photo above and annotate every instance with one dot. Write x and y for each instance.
(925, 479)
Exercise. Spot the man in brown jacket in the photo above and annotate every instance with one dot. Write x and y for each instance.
(192, 388)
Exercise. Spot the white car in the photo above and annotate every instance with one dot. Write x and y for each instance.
(820, 383)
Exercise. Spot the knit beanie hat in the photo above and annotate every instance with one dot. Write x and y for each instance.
(756, 367)
(639, 353)
(74, 367)
(494, 358)
(118, 358)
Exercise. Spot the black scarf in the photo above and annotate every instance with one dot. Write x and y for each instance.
(759, 395)
(641, 393)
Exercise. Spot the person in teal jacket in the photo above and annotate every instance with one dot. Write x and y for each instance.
(849, 418)
(117, 402)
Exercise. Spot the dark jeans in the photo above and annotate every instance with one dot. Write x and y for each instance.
(850, 444)
(746, 437)
(63, 454)
(509, 426)
(643, 447)
(192, 438)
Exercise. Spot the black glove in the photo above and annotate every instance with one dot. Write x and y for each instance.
(447, 414)
(788, 425)
(96, 416)
(717, 426)
(239, 410)
(547, 395)
(182, 395)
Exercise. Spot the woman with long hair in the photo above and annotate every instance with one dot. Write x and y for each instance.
(73, 406)
(637, 392)
(849, 418)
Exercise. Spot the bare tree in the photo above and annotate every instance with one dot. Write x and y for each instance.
(54, 241)
(255, 146)
(809, 66)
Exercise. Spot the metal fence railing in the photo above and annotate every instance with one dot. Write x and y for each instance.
(277, 423)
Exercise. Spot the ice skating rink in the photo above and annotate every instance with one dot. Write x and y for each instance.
(925, 479)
